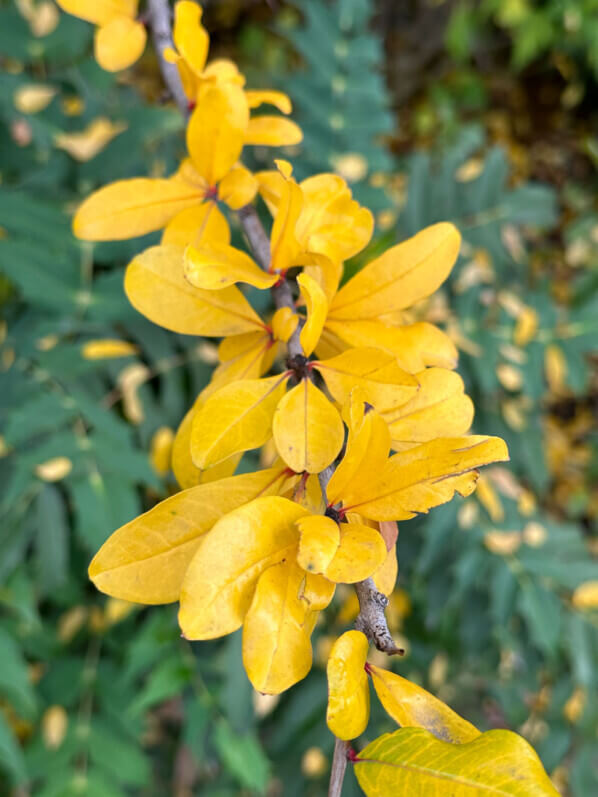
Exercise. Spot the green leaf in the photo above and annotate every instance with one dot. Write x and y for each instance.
(243, 757)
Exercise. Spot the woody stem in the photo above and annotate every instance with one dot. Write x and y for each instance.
(371, 619)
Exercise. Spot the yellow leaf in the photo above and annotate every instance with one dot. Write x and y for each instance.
(119, 43)
(411, 706)
(190, 37)
(586, 596)
(237, 188)
(145, 560)
(284, 245)
(55, 469)
(412, 761)
(367, 450)
(128, 208)
(99, 12)
(129, 381)
(54, 724)
(420, 478)
(252, 358)
(415, 346)
(107, 348)
(216, 129)
(360, 553)
(317, 307)
(318, 542)
(314, 763)
(402, 276)
(85, 145)
(272, 131)
(276, 637)
(502, 543)
(269, 97)
(509, 376)
(161, 449)
(555, 367)
(220, 581)
(213, 267)
(237, 417)
(308, 430)
(33, 97)
(348, 709)
(385, 385)
(488, 497)
(156, 286)
(284, 322)
(385, 577)
(317, 591)
(185, 472)
(440, 408)
(526, 326)
(197, 225)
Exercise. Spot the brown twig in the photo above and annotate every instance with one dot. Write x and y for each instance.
(339, 765)
(371, 619)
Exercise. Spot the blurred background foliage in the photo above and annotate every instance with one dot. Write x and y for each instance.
(482, 113)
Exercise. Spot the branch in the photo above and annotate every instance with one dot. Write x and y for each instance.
(159, 14)
(371, 619)
(339, 765)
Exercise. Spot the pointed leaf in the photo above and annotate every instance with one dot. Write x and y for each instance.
(411, 706)
(413, 761)
(220, 581)
(213, 267)
(145, 560)
(276, 636)
(307, 428)
(317, 307)
(425, 476)
(185, 472)
(237, 417)
(401, 277)
(156, 286)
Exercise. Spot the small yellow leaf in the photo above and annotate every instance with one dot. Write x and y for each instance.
(411, 706)
(276, 635)
(85, 145)
(197, 225)
(185, 472)
(555, 367)
(385, 385)
(412, 761)
(425, 476)
(156, 286)
(119, 43)
(213, 267)
(284, 323)
(253, 356)
(488, 497)
(237, 188)
(317, 307)
(161, 449)
(216, 129)
(129, 381)
(269, 97)
(128, 208)
(415, 346)
(502, 543)
(401, 276)
(586, 596)
(573, 708)
(440, 408)
(54, 724)
(308, 430)
(348, 690)
(33, 97)
(237, 417)
(526, 326)
(360, 553)
(318, 542)
(220, 582)
(107, 348)
(55, 469)
(385, 577)
(272, 131)
(367, 451)
(190, 37)
(99, 12)
(145, 560)
(509, 376)
(314, 763)
(284, 245)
